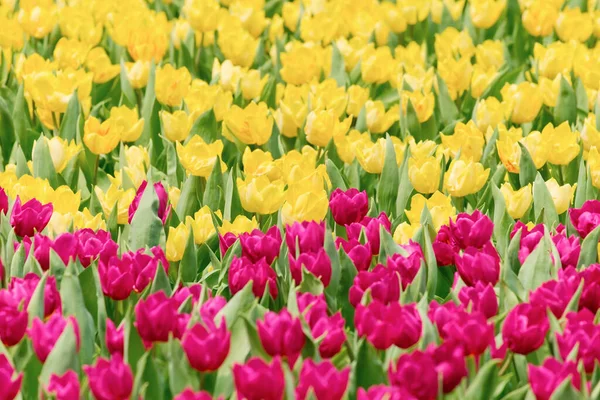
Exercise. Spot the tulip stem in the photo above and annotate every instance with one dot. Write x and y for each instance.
(351, 354)
(506, 364)
(96, 170)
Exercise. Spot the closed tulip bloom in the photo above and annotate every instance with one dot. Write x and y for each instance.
(242, 271)
(465, 177)
(202, 224)
(323, 380)
(348, 206)
(177, 125)
(424, 174)
(64, 387)
(568, 248)
(525, 100)
(3, 201)
(30, 217)
(176, 242)
(199, 158)
(281, 335)
(114, 337)
(207, 346)
(318, 264)
(45, 335)
(384, 326)
(260, 195)
(371, 156)
(564, 143)
(130, 124)
(304, 202)
(517, 201)
(22, 290)
(257, 245)
(94, 245)
(251, 377)
(562, 196)
(305, 237)
(545, 379)
(359, 253)
(331, 329)
(472, 331)
(573, 24)
(582, 332)
(250, 125)
(116, 277)
(586, 218)
(590, 297)
(371, 228)
(377, 65)
(539, 18)
(252, 84)
(110, 379)
(13, 319)
(164, 208)
(101, 138)
(383, 282)
(63, 245)
(554, 295)
(450, 363)
(416, 373)
(525, 328)
(156, 318)
(479, 298)
(407, 266)
(357, 97)
(485, 13)
(378, 119)
(172, 85)
(382, 392)
(474, 230)
(11, 385)
(478, 265)
(189, 394)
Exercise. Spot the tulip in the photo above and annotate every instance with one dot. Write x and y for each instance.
(45, 335)
(473, 230)
(211, 307)
(257, 245)
(251, 377)
(376, 65)
(143, 266)
(562, 196)
(359, 254)
(333, 329)
(207, 347)
(465, 177)
(22, 290)
(281, 335)
(480, 298)
(478, 265)
(92, 245)
(383, 282)
(582, 332)
(568, 249)
(317, 264)
(114, 337)
(313, 307)
(242, 271)
(382, 392)
(226, 241)
(64, 245)
(13, 319)
(485, 13)
(349, 206)
(372, 230)
(309, 236)
(416, 373)
(189, 394)
(573, 24)
(101, 137)
(116, 277)
(110, 379)
(198, 158)
(546, 378)
(324, 125)
(525, 100)
(529, 239)
(192, 292)
(472, 331)
(525, 328)
(323, 380)
(467, 140)
(30, 217)
(554, 295)
(177, 125)
(386, 325)
(539, 18)
(164, 208)
(64, 387)
(440, 315)
(250, 125)
(260, 195)
(176, 242)
(586, 218)
(156, 317)
(127, 118)
(408, 267)
(171, 85)
(449, 363)
(10, 385)
(590, 296)
(444, 247)
(563, 143)
(3, 201)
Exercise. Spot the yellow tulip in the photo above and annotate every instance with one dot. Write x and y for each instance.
(174, 195)
(240, 225)
(563, 143)
(292, 111)
(451, 43)
(61, 152)
(440, 207)
(572, 24)
(378, 120)
(481, 79)
(539, 18)
(138, 73)
(203, 15)
(424, 174)
(228, 75)
(327, 95)
(258, 163)
(322, 126)
(590, 136)
(357, 97)
(454, 7)
(130, 125)
(405, 232)
(115, 196)
(345, 144)
(259, 195)
(172, 84)
(237, 44)
(176, 242)
(490, 54)
(304, 203)
(85, 219)
(99, 64)
(377, 65)
(70, 53)
(456, 74)
(467, 139)
(301, 64)
(422, 103)
(199, 158)
(176, 125)
(101, 138)
(371, 156)
(202, 224)
(524, 99)
(489, 113)
(485, 13)
(252, 84)
(517, 201)
(465, 177)
(593, 163)
(562, 196)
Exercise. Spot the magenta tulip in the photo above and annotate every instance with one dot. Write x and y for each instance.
(441, 314)
(407, 267)
(383, 282)
(445, 247)
(382, 392)
(110, 379)
(207, 347)
(525, 328)
(64, 387)
(360, 254)
(590, 297)
(474, 230)
(371, 227)
(568, 248)
(257, 245)
(116, 277)
(156, 317)
(322, 380)
(335, 335)
(481, 298)
(416, 373)
(22, 289)
(11, 385)
(143, 266)
(384, 326)
(555, 295)
(211, 307)
(31, 217)
(114, 337)
(64, 245)
(317, 264)
(3, 201)
(312, 306)
(93, 245)
(194, 291)
(348, 206)
(164, 208)
(472, 331)
(44, 335)
(310, 237)
(242, 271)
(226, 241)
(547, 378)
(478, 265)
(586, 218)
(13, 319)
(450, 363)
(281, 335)
(251, 380)
(581, 331)
(189, 394)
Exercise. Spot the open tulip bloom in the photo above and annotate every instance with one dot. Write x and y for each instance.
(296, 199)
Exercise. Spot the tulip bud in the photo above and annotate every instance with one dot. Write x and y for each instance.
(372, 230)
(525, 328)
(317, 264)
(64, 245)
(156, 318)
(485, 13)
(333, 329)
(30, 217)
(281, 335)
(555, 295)
(416, 373)
(349, 206)
(242, 271)
(3, 201)
(250, 380)
(13, 319)
(310, 237)
(22, 290)
(257, 245)
(586, 218)
(386, 325)
(323, 380)
(360, 254)
(177, 125)
(529, 238)
(10, 385)
(110, 379)
(114, 337)
(383, 282)
(164, 208)
(45, 335)
(582, 332)
(472, 331)
(546, 378)
(473, 230)
(171, 85)
(480, 298)
(116, 277)
(465, 177)
(64, 387)
(424, 174)
(211, 307)
(92, 245)
(449, 363)
(478, 265)
(207, 346)
(568, 249)
(189, 394)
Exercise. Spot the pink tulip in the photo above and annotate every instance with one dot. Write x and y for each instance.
(525, 328)
(348, 206)
(371, 228)
(257, 380)
(322, 380)
(474, 230)
(211, 307)
(11, 385)
(3, 201)
(382, 392)
(143, 266)
(449, 359)
(242, 271)
(555, 295)
(226, 241)
(93, 245)
(110, 379)
(13, 319)
(335, 335)
(30, 217)
(481, 298)
(568, 248)
(317, 264)
(65, 387)
(475, 265)
(581, 331)
(310, 237)
(407, 267)
(207, 347)
(416, 373)
(44, 335)
(281, 335)
(22, 289)
(156, 317)
(189, 394)
(257, 245)
(184, 292)
(383, 282)
(445, 247)
(547, 378)
(590, 297)
(360, 254)
(384, 325)
(114, 337)
(164, 208)
(116, 277)
(64, 246)
(586, 218)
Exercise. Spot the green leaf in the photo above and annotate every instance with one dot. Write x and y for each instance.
(310, 283)
(527, 170)
(42, 162)
(537, 268)
(338, 69)
(212, 194)
(405, 188)
(336, 268)
(147, 383)
(368, 370)
(148, 107)
(389, 181)
(133, 347)
(580, 192)
(448, 109)
(589, 249)
(239, 303)
(181, 375)
(337, 181)
(502, 221)
(188, 266)
(188, 200)
(431, 265)
(483, 385)
(269, 93)
(63, 356)
(70, 121)
(347, 280)
(146, 227)
(161, 281)
(566, 105)
(36, 304)
(566, 391)
(128, 96)
(542, 202)
(22, 122)
(206, 126)
(7, 138)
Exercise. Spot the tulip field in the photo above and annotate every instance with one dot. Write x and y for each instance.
(307, 199)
